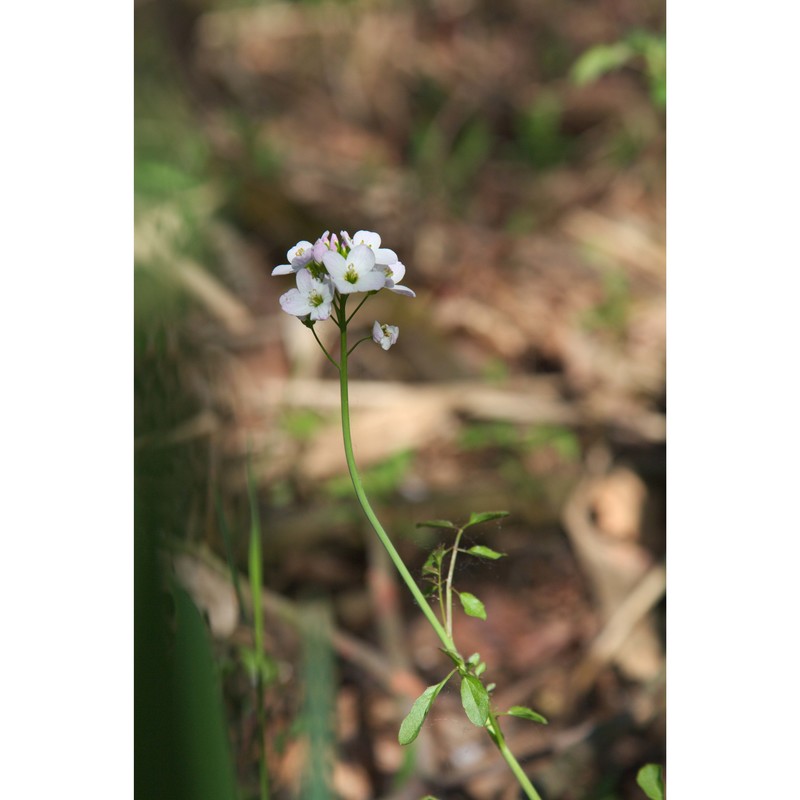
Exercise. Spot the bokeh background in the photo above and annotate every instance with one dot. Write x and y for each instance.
(512, 153)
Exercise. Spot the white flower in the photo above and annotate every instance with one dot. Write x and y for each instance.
(385, 335)
(298, 256)
(394, 274)
(383, 255)
(311, 297)
(355, 274)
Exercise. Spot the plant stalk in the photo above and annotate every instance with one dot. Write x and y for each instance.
(492, 726)
(445, 638)
(497, 737)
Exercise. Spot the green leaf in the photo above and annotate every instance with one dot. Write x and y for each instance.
(433, 564)
(475, 700)
(651, 782)
(476, 518)
(436, 523)
(472, 605)
(410, 727)
(484, 552)
(525, 713)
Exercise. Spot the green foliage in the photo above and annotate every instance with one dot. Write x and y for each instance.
(562, 440)
(382, 480)
(481, 436)
(475, 700)
(471, 605)
(599, 60)
(301, 423)
(651, 782)
(450, 167)
(613, 312)
(411, 725)
(539, 132)
(525, 713)
(648, 47)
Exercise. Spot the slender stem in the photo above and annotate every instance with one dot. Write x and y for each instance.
(445, 638)
(449, 585)
(366, 297)
(498, 738)
(445, 635)
(357, 344)
(327, 354)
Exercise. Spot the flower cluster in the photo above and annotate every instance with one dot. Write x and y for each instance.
(341, 265)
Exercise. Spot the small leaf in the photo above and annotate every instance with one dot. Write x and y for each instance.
(484, 552)
(525, 713)
(422, 705)
(651, 782)
(476, 518)
(474, 659)
(475, 700)
(433, 564)
(472, 605)
(480, 669)
(436, 523)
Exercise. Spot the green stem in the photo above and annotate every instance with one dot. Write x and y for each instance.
(445, 638)
(492, 726)
(449, 586)
(498, 738)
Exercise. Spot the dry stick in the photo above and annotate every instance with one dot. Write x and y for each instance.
(619, 626)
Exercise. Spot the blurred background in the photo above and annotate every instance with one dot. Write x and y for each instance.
(512, 153)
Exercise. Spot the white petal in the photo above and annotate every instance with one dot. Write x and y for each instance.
(283, 269)
(368, 238)
(377, 333)
(404, 290)
(398, 271)
(293, 302)
(335, 264)
(362, 258)
(386, 256)
(369, 282)
(305, 283)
